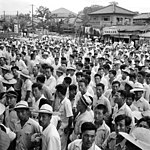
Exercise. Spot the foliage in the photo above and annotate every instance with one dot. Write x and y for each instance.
(85, 17)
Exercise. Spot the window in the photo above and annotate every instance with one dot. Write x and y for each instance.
(106, 18)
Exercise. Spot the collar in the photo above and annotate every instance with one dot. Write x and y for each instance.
(102, 127)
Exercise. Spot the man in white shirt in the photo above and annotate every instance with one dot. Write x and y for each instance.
(20, 63)
(66, 115)
(87, 142)
(50, 79)
(50, 136)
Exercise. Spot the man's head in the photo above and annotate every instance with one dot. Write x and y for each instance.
(112, 74)
(11, 98)
(99, 113)
(100, 89)
(49, 71)
(97, 78)
(115, 86)
(120, 97)
(72, 91)
(61, 90)
(88, 131)
(37, 90)
(15, 70)
(83, 86)
(22, 110)
(130, 98)
(67, 81)
(40, 79)
(141, 76)
(122, 123)
(45, 115)
(79, 76)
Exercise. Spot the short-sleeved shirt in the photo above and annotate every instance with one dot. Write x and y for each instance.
(27, 86)
(23, 141)
(65, 111)
(142, 104)
(102, 134)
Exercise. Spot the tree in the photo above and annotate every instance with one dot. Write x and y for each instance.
(87, 10)
(44, 15)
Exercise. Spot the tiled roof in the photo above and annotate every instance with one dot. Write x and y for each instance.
(142, 16)
(63, 13)
(112, 9)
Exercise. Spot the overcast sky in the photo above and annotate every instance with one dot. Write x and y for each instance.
(24, 6)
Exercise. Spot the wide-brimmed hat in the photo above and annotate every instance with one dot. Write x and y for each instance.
(61, 69)
(24, 73)
(46, 109)
(9, 79)
(22, 105)
(2, 108)
(86, 100)
(130, 83)
(140, 137)
(11, 92)
(45, 53)
(71, 68)
(137, 87)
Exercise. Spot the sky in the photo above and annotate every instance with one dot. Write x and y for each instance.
(24, 6)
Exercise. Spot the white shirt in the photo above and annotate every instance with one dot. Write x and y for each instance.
(77, 145)
(51, 138)
(21, 64)
(51, 83)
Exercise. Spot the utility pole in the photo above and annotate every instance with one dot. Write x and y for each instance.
(18, 21)
(4, 15)
(32, 17)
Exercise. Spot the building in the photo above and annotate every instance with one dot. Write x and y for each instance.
(111, 15)
(142, 19)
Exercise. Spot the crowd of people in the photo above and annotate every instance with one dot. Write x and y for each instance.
(59, 93)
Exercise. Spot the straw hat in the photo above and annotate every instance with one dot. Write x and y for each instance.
(61, 69)
(138, 87)
(11, 92)
(140, 137)
(24, 73)
(21, 105)
(9, 79)
(86, 100)
(47, 109)
(71, 68)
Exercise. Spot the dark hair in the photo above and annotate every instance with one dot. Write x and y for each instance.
(88, 126)
(43, 101)
(14, 67)
(123, 66)
(87, 78)
(101, 107)
(84, 81)
(100, 68)
(87, 59)
(44, 66)
(116, 82)
(38, 85)
(127, 119)
(145, 119)
(113, 72)
(49, 67)
(101, 84)
(79, 74)
(67, 80)
(106, 66)
(97, 75)
(62, 89)
(148, 75)
(40, 78)
(132, 75)
(80, 64)
(122, 93)
(132, 95)
(87, 72)
(72, 87)
(142, 73)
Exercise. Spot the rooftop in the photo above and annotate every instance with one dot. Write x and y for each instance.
(113, 9)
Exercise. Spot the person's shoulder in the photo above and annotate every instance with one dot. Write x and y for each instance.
(96, 147)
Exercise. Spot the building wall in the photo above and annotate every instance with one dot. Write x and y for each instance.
(110, 19)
